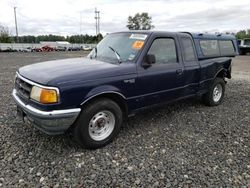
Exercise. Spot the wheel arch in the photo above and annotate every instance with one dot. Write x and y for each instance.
(222, 73)
(115, 96)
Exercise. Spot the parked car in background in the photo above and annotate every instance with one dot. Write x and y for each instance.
(126, 73)
(60, 48)
(74, 49)
(37, 49)
(47, 49)
(86, 48)
(9, 50)
(28, 49)
(244, 46)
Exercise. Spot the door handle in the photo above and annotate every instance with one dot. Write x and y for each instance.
(179, 71)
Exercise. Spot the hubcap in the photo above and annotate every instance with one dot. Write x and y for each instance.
(217, 93)
(101, 125)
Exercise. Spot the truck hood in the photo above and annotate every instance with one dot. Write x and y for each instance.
(71, 70)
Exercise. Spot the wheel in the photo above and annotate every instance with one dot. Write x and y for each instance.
(98, 124)
(216, 92)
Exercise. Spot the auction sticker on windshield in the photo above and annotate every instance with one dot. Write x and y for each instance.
(138, 44)
(138, 36)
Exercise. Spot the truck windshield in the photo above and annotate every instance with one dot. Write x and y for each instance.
(126, 45)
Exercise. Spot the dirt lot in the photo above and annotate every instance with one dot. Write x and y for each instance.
(185, 144)
(241, 67)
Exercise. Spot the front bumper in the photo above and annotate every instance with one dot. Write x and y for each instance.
(50, 122)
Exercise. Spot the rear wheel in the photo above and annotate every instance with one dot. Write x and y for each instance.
(215, 94)
(98, 124)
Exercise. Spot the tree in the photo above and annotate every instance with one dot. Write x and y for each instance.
(243, 34)
(99, 37)
(140, 22)
(5, 35)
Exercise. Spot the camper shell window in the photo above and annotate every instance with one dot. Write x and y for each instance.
(214, 45)
(210, 47)
(226, 47)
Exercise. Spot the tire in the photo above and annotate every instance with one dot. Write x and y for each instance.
(98, 124)
(216, 93)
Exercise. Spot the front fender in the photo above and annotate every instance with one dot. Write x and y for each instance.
(105, 89)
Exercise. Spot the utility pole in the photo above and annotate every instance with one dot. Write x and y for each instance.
(98, 16)
(16, 25)
(80, 23)
(97, 22)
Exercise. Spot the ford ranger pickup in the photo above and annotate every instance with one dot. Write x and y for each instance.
(126, 72)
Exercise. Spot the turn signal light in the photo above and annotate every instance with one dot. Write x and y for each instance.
(45, 96)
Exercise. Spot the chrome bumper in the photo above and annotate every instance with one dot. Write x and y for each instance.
(51, 122)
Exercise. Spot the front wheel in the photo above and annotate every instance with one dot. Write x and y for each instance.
(98, 124)
(215, 94)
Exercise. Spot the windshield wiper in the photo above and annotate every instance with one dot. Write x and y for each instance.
(116, 54)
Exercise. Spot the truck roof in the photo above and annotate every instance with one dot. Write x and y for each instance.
(194, 35)
(210, 42)
(211, 36)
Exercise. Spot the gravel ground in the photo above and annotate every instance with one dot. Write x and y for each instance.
(185, 144)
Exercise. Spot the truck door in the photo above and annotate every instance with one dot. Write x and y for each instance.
(163, 80)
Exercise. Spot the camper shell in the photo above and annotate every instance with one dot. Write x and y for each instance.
(215, 45)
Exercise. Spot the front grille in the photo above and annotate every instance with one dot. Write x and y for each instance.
(23, 88)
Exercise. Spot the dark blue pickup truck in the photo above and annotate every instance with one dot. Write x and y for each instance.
(125, 73)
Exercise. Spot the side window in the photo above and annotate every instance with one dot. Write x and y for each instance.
(247, 42)
(189, 54)
(210, 47)
(164, 50)
(226, 47)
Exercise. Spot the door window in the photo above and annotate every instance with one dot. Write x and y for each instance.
(164, 50)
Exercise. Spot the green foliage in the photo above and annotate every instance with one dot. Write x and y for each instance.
(89, 39)
(50, 38)
(84, 38)
(243, 34)
(72, 39)
(140, 22)
(27, 39)
(5, 35)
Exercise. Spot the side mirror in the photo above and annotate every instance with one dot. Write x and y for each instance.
(149, 60)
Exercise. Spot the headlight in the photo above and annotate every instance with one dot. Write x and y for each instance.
(45, 96)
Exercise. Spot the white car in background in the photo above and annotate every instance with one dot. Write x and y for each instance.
(28, 49)
(87, 48)
(244, 46)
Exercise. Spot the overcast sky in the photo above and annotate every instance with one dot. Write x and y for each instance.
(63, 17)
